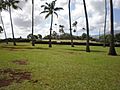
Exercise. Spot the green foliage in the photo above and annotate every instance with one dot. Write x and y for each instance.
(39, 36)
(49, 9)
(66, 36)
(117, 37)
(2, 5)
(108, 36)
(84, 36)
(13, 4)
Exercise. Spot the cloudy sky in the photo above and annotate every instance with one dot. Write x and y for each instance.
(22, 18)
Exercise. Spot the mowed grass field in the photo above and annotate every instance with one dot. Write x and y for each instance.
(61, 67)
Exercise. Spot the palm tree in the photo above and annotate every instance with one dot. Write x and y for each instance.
(50, 9)
(75, 26)
(3, 7)
(70, 26)
(105, 23)
(87, 27)
(33, 42)
(13, 4)
(112, 46)
(61, 30)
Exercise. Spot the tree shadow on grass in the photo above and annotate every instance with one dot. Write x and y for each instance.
(23, 48)
(85, 50)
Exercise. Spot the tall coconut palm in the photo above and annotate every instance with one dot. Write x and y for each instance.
(12, 4)
(105, 23)
(70, 26)
(50, 9)
(75, 26)
(87, 27)
(33, 42)
(61, 28)
(112, 45)
(3, 7)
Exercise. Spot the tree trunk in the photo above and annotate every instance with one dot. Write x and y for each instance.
(50, 43)
(72, 45)
(3, 28)
(33, 41)
(112, 45)
(87, 27)
(14, 43)
(105, 24)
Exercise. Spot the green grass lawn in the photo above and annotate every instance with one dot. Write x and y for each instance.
(61, 67)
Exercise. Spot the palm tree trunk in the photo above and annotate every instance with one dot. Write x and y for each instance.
(33, 41)
(112, 46)
(87, 27)
(105, 23)
(3, 28)
(72, 45)
(50, 43)
(14, 43)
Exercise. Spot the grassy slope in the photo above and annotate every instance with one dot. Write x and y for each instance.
(63, 67)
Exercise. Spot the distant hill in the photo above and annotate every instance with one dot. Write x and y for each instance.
(97, 36)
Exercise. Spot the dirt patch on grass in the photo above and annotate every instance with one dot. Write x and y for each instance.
(8, 76)
(21, 62)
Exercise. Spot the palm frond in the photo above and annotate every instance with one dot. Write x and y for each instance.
(46, 8)
(47, 4)
(15, 7)
(58, 8)
(47, 15)
(56, 14)
(44, 12)
(43, 6)
(15, 1)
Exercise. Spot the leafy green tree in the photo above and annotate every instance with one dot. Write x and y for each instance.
(87, 27)
(112, 46)
(3, 7)
(55, 35)
(106, 37)
(34, 37)
(47, 37)
(70, 26)
(84, 36)
(29, 36)
(40, 36)
(117, 37)
(50, 9)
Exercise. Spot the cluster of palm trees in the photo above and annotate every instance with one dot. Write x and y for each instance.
(7, 5)
(50, 9)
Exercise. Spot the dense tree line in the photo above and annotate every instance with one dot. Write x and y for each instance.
(108, 38)
(66, 36)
